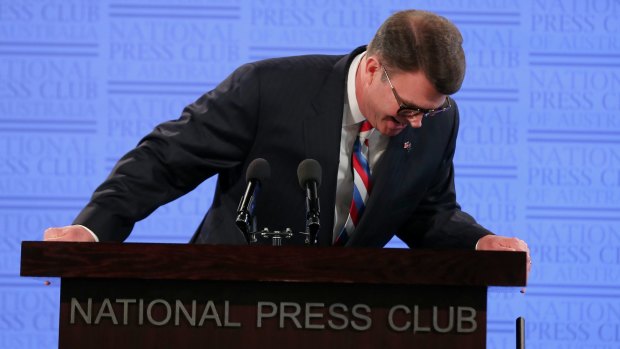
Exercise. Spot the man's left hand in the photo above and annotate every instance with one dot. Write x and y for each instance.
(502, 243)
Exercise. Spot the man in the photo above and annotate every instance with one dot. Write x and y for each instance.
(288, 109)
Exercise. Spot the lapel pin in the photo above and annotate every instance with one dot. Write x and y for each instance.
(407, 146)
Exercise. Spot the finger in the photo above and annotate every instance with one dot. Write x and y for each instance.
(517, 244)
(54, 234)
(505, 248)
(523, 246)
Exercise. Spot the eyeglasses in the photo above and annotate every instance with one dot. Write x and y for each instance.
(409, 111)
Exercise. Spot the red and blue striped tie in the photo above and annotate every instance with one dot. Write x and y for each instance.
(362, 183)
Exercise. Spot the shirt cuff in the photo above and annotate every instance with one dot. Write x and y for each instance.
(90, 231)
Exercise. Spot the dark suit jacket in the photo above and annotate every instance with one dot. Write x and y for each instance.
(285, 110)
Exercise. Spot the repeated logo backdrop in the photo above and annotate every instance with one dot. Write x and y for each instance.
(538, 156)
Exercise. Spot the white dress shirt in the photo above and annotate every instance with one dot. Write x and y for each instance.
(377, 143)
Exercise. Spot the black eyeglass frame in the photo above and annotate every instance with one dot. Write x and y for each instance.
(408, 111)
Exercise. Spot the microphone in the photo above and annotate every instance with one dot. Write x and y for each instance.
(258, 171)
(309, 175)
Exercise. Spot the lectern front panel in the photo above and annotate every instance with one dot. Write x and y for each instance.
(125, 313)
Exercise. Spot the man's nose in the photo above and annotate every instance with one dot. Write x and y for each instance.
(415, 121)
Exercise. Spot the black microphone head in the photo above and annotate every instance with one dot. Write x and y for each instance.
(309, 170)
(258, 169)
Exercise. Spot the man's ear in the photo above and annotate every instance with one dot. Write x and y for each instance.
(372, 68)
(373, 65)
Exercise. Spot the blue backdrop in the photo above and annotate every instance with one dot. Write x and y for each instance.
(538, 157)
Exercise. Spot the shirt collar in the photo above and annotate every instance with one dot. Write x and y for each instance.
(355, 116)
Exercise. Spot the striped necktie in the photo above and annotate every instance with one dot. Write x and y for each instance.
(362, 184)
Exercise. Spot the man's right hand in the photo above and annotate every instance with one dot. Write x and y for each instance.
(73, 233)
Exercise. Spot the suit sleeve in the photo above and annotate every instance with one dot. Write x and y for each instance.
(213, 135)
(438, 221)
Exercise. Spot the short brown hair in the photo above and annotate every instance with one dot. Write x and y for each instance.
(415, 40)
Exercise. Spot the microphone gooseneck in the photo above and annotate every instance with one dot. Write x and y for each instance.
(309, 176)
(258, 171)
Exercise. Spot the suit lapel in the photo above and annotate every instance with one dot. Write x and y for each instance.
(322, 139)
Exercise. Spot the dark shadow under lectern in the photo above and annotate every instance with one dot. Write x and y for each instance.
(201, 296)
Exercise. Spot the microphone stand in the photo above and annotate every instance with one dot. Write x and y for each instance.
(313, 223)
(253, 230)
(246, 221)
(243, 223)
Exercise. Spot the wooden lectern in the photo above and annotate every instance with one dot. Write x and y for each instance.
(203, 296)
